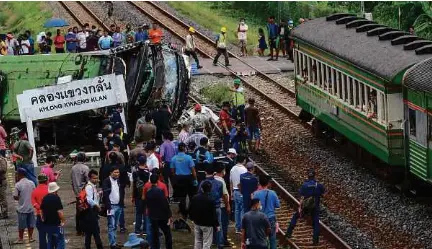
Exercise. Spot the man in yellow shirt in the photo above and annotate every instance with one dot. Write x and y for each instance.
(3, 48)
(221, 45)
(238, 100)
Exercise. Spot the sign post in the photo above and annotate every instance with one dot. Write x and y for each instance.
(67, 98)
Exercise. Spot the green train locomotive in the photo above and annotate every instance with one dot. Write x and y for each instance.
(349, 77)
(153, 74)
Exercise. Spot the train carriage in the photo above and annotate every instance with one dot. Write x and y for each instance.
(348, 75)
(417, 92)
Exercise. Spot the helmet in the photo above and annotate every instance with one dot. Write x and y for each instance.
(197, 107)
(191, 29)
(223, 29)
(290, 22)
(237, 81)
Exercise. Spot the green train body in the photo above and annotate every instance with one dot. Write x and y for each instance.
(349, 75)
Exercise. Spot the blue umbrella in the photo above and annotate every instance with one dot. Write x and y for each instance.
(56, 22)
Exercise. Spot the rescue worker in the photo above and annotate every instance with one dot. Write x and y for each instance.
(201, 121)
(311, 192)
(221, 45)
(190, 46)
(3, 188)
(238, 100)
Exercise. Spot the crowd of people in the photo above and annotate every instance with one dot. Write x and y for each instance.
(78, 39)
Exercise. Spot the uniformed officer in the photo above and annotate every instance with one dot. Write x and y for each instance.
(185, 178)
(310, 189)
(238, 101)
(3, 188)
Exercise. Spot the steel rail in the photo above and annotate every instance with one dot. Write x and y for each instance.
(68, 9)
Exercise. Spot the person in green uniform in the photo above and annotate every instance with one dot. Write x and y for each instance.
(238, 101)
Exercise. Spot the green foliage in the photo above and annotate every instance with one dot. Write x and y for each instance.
(216, 93)
(18, 17)
(423, 23)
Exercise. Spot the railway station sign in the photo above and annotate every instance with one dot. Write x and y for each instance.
(75, 96)
(67, 98)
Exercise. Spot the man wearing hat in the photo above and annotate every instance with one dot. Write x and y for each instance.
(311, 192)
(135, 242)
(225, 124)
(37, 196)
(238, 101)
(22, 193)
(190, 46)
(221, 45)
(53, 217)
(248, 185)
(255, 227)
(200, 121)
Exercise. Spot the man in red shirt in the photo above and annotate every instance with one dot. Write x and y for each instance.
(36, 198)
(226, 124)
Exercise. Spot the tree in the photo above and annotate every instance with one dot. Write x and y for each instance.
(423, 23)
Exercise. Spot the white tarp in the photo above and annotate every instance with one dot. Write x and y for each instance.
(75, 96)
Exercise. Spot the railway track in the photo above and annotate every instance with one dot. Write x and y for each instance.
(302, 234)
(81, 14)
(262, 85)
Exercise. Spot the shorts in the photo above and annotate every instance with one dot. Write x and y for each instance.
(242, 43)
(254, 133)
(272, 43)
(26, 220)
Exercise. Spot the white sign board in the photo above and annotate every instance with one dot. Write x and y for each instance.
(75, 96)
(67, 98)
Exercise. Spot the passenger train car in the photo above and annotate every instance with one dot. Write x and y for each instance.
(349, 76)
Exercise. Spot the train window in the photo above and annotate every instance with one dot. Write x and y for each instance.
(412, 121)
(361, 96)
(309, 67)
(327, 76)
(349, 89)
(323, 78)
(332, 80)
(314, 72)
(318, 73)
(372, 103)
(355, 93)
(343, 86)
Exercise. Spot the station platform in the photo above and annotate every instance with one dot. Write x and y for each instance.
(260, 63)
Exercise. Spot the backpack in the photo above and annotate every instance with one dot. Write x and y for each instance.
(139, 184)
(82, 200)
(308, 205)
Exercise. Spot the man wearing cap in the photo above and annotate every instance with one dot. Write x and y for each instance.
(255, 227)
(53, 217)
(216, 195)
(269, 202)
(236, 172)
(248, 185)
(79, 178)
(140, 176)
(190, 46)
(311, 190)
(184, 178)
(22, 193)
(229, 162)
(238, 100)
(200, 121)
(3, 188)
(37, 196)
(221, 45)
(225, 124)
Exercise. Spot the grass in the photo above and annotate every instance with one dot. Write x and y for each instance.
(216, 93)
(205, 14)
(18, 17)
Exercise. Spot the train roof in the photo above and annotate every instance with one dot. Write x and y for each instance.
(419, 76)
(378, 49)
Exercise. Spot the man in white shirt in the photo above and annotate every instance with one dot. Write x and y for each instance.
(82, 40)
(25, 45)
(92, 215)
(235, 173)
(113, 199)
(152, 161)
(242, 35)
(190, 46)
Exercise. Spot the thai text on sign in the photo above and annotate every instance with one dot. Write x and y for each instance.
(75, 96)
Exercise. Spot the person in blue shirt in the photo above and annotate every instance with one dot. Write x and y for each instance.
(273, 31)
(269, 202)
(310, 189)
(248, 185)
(71, 45)
(185, 179)
(105, 42)
(216, 194)
(202, 158)
(141, 35)
(238, 136)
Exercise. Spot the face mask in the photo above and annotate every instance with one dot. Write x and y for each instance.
(242, 22)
